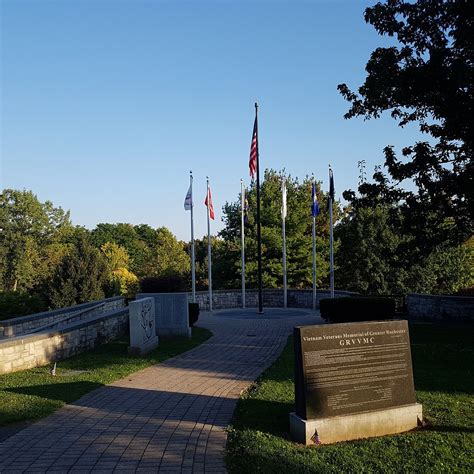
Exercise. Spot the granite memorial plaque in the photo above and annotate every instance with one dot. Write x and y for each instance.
(143, 336)
(344, 369)
(171, 313)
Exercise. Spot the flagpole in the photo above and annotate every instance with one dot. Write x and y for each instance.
(331, 237)
(242, 238)
(259, 230)
(209, 258)
(314, 253)
(283, 230)
(193, 259)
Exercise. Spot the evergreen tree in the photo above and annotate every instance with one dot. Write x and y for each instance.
(298, 233)
(81, 276)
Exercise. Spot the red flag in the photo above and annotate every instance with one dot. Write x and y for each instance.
(254, 150)
(208, 203)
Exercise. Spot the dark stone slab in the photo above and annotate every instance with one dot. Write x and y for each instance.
(342, 369)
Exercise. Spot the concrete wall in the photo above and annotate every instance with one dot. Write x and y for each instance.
(32, 350)
(33, 322)
(222, 299)
(440, 308)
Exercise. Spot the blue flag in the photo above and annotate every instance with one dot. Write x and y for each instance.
(314, 203)
(331, 185)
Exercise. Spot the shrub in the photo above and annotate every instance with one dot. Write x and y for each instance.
(193, 313)
(15, 304)
(345, 310)
(164, 284)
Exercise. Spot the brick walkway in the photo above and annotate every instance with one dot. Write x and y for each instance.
(170, 417)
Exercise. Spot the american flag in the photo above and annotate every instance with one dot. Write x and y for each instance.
(208, 203)
(254, 150)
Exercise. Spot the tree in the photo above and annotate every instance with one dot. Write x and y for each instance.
(81, 276)
(298, 231)
(29, 230)
(121, 280)
(127, 237)
(168, 256)
(427, 79)
(368, 257)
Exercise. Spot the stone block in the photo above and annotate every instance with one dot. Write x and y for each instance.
(356, 426)
(143, 336)
(171, 313)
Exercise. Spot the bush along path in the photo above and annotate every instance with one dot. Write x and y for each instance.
(168, 417)
(443, 361)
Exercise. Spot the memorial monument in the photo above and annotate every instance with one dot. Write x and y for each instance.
(143, 336)
(171, 313)
(353, 381)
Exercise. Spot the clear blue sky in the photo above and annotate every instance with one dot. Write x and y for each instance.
(107, 105)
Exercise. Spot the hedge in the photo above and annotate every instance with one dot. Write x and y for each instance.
(357, 308)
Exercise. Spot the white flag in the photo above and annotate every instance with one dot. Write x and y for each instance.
(188, 201)
(283, 197)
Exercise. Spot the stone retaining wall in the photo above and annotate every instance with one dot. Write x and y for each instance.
(27, 324)
(32, 350)
(440, 308)
(222, 299)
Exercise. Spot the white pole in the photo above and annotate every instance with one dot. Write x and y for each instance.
(209, 259)
(193, 259)
(242, 238)
(283, 230)
(314, 262)
(331, 245)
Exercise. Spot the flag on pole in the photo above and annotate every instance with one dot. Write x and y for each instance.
(314, 201)
(246, 209)
(254, 150)
(331, 185)
(208, 203)
(283, 199)
(188, 200)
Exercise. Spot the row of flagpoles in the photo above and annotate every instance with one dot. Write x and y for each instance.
(254, 173)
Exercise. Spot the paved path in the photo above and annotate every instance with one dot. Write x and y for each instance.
(170, 417)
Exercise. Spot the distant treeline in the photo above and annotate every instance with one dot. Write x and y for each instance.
(46, 262)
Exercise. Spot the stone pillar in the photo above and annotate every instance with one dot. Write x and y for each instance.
(143, 336)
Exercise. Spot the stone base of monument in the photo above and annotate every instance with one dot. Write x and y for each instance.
(173, 332)
(356, 426)
(151, 344)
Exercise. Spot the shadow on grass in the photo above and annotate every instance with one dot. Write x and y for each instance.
(448, 429)
(63, 391)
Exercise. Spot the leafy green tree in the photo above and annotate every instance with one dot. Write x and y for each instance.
(80, 277)
(427, 80)
(28, 230)
(126, 236)
(368, 256)
(121, 280)
(168, 256)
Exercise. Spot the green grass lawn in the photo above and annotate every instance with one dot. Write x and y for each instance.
(443, 365)
(33, 393)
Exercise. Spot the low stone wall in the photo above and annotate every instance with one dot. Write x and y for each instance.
(222, 299)
(32, 350)
(27, 324)
(440, 308)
